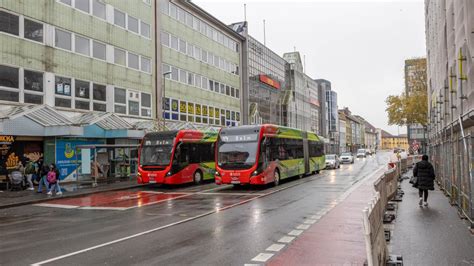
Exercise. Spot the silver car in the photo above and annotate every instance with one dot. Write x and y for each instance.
(347, 157)
(332, 161)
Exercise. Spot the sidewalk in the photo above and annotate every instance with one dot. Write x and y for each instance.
(17, 198)
(431, 236)
(337, 238)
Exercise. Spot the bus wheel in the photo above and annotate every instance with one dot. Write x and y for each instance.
(276, 177)
(197, 177)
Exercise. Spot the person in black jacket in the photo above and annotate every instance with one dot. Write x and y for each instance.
(424, 172)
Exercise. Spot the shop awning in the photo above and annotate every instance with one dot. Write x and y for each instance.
(36, 120)
(107, 125)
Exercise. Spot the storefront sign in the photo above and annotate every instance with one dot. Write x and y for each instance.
(273, 83)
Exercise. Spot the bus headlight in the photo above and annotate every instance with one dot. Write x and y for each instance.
(255, 173)
(169, 173)
(217, 173)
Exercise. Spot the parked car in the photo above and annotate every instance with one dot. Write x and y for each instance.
(347, 157)
(332, 161)
(361, 153)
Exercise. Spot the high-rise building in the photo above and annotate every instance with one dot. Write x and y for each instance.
(323, 86)
(266, 79)
(415, 79)
(201, 60)
(296, 105)
(450, 77)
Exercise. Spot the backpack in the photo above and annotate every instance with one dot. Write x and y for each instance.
(51, 177)
(30, 168)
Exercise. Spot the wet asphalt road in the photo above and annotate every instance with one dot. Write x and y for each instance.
(205, 225)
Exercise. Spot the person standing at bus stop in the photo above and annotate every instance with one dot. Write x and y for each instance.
(424, 172)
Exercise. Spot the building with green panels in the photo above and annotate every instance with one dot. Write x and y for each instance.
(201, 66)
(74, 72)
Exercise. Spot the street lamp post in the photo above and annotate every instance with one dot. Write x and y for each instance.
(163, 96)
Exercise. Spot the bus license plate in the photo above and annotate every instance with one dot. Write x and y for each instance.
(152, 181)
(235, 182)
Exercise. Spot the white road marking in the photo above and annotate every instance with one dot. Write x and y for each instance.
(62, 206)
(103, 208)
(232, 194)
(303, 226)
(263, 257)
(250, 264)
(275, 247)
(309, 221)
(286, 239)
(295, 232)
(315, 217)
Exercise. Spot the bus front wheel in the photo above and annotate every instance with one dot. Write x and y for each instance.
(276, 178)
(197, 177)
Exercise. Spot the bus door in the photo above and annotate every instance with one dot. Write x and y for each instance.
(306, 152)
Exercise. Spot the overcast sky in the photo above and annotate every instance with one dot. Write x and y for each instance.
(360, 46)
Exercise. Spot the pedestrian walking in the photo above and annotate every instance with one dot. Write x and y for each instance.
(29, 172)
(43, 173)
(425, 176)
(53, 180)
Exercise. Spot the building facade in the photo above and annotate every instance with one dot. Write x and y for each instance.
(200, 67)
(296, 106)
(450, 49)
(415, 79)
(391, 142)
(265, 77)
(342, 135)
(323, 86)
(314, 105)
(71, 61)
(332, 120)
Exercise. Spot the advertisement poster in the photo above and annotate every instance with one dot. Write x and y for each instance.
(12, 152)
(66, 156)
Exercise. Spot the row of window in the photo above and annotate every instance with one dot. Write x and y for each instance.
(33, 30)
(285, 149)
(99, 9)
(196, 80)
(198, 53)
(88, 47)
(132, 102)
(197, 24)
(180, 110)
(69, 92)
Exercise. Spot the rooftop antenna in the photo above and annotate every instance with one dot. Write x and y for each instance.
(245, 12)
(264, 37)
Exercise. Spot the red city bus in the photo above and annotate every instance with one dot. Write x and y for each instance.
(177, 157)
(263, 154)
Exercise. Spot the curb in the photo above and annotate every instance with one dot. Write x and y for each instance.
(28, 202)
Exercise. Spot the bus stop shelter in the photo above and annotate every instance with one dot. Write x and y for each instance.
(106, 163)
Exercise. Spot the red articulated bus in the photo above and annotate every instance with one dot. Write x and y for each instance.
(263, 154)
(177, 157)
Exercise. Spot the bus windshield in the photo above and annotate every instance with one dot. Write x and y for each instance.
(237, 155)
(156, 153)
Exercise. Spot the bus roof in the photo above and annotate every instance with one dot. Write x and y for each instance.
(186, 135)
(271, 131)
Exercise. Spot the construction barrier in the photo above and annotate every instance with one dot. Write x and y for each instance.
(374, 233)
(410, 161)
(403, 165)
(386, 188)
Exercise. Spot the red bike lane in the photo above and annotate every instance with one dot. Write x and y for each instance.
(337, 238)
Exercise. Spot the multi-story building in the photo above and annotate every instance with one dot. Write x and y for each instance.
(391, 142)
(342, 134)
(450, 50)
(314, 104)
(296, 106)
(202, 66)
(355, 130)
(65, 63)
(323, 86)
(370, 134)
(332, 121)
(415, 79)
(266, 79)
